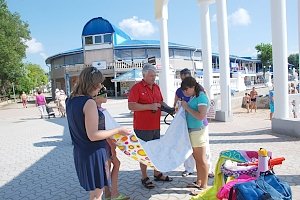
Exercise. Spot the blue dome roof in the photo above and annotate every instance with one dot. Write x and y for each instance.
(97, 26)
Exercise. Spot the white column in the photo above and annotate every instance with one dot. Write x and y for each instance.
(280, 63)
(224, 57)
(206, 46)
(166, 81)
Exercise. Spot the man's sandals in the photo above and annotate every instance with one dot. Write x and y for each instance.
(149, 185)
(159, 177)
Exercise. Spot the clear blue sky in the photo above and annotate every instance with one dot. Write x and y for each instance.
(56, 25)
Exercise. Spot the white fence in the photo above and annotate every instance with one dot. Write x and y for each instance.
(215, 87)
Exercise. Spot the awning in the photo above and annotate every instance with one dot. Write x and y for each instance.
(130, 76)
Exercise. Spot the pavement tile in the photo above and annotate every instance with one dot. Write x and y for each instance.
(36, 155)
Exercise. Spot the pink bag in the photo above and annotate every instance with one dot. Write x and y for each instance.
(224, 191)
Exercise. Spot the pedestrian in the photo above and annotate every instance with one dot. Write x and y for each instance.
(196, 110)
(247, 101)
(145, 100)
(62, 103)
(40, 102)
(189, 164)
(253, 96)
(111, 193)
(24, 99)
(271, 96)
(57, 94)
(89, 145)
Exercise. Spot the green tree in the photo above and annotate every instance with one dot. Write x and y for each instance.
(294, 59)
(264, 53)
(13, 34)
(34, 77)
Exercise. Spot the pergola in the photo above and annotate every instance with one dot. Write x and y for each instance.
(279, 45)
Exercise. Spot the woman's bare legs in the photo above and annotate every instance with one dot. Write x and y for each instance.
(96, 194)
(201, 166)
(114, 177)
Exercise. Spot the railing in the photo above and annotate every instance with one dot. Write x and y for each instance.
(125, 66)
(215, 87)
(294, 105)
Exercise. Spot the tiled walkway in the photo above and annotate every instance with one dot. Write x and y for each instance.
(36, 155)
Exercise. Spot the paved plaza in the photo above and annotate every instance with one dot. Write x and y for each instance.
(36, 159)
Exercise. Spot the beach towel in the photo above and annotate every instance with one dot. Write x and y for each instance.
(164, 154)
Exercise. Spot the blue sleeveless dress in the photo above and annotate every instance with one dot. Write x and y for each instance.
(90, 157)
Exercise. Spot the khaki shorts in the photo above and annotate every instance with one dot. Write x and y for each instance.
(198, 138)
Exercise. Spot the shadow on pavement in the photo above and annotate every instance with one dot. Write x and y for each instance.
(53, 176)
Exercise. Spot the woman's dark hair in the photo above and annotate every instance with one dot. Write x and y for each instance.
(88, 80)
(190, 82)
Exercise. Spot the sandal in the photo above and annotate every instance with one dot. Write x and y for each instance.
(121, 197)
(196, 192)
(147, 183)
(211, 175)
(159, 178)
(194, 185)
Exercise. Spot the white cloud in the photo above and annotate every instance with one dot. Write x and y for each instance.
(137, 27)
(43, 55)
(33, 46)
(240, 17)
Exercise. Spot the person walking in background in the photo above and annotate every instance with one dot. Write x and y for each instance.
(24, 99)
(196, 110)
(111, 193)
(247, 101)
(271, 96)
(40, 102)
(89, 150)
(189, 164)
(57, 94)
(62, 103)
(145, 100)
(253, 96)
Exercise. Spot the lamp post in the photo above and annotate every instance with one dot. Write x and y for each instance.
(193, 61)
(264, 73)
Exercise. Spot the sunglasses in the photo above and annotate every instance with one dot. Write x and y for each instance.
(95, 70)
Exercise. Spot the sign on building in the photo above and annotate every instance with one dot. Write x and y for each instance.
(152, 60)
(99, 64)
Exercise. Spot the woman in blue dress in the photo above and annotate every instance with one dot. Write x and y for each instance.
(89, 150)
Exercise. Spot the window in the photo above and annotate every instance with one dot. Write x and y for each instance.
(138, 53)
(107, 38)
(153, 52)
(88, 40)
(184, 54)
(98, 39)
(197, 55)
(123, 54)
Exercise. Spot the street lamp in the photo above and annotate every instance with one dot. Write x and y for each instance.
(193, 61)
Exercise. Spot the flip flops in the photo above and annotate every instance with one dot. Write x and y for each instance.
(194, 185)
(120, 197)
(196, 192)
